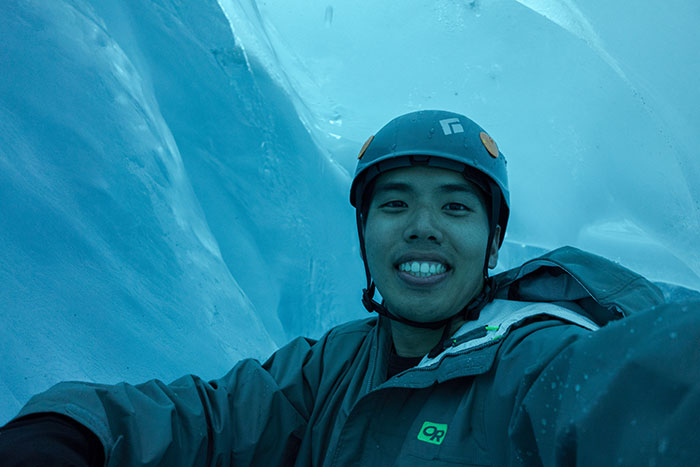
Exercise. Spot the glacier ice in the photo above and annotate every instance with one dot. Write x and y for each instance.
(174, 175)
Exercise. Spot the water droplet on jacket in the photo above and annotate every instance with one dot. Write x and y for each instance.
(578, 387)
(673, 335)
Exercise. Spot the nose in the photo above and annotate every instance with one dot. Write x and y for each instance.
(422, 225)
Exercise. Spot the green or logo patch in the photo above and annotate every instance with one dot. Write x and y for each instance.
(432, 433)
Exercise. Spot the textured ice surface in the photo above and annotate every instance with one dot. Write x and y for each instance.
(174, 175)
(593, 103)
(162, 209)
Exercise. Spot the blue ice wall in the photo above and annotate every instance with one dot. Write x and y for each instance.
(174, 175)
(162, 208)
(594, 103)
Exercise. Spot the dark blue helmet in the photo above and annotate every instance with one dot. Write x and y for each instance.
(436, 138)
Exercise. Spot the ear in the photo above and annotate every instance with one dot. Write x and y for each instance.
(493, 252)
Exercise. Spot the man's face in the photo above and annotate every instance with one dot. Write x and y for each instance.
(425, 238)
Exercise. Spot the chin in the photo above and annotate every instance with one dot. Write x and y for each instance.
(418, 313)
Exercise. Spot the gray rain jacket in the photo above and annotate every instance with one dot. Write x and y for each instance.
(533, 382)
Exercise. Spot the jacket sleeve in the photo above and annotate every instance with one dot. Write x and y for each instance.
(254, 415)
(49, 439)
(627, 394)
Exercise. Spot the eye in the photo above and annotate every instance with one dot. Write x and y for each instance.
(456, 207)
(394, 204)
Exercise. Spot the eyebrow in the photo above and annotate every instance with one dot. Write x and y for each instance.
(391, 186)
(447, 188)
(457, 187)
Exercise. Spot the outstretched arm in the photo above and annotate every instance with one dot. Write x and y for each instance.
(627, 394)
(256, 414)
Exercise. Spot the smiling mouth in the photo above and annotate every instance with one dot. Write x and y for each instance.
(422, 269)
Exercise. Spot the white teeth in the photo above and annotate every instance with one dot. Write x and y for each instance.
(422, 269)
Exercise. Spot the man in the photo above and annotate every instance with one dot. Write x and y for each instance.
(459, 368)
